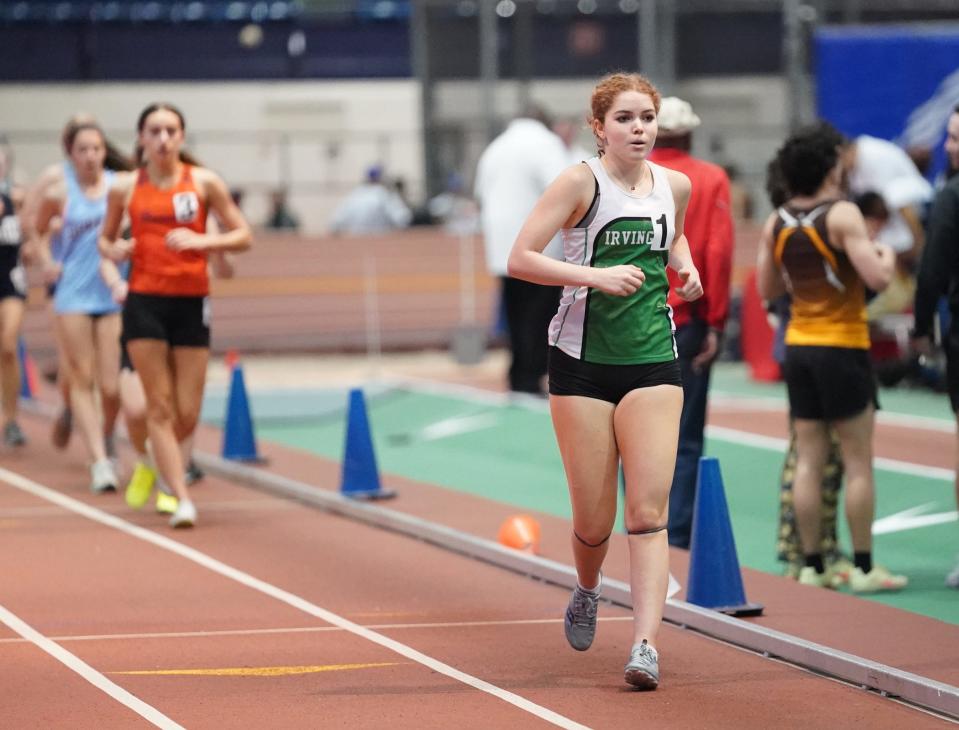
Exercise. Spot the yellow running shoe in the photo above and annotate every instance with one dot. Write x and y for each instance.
(140, 486)
(876, 580)
(166, 503)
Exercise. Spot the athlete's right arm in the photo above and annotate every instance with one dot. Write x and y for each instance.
(110, 244)
(769, 279)
(32, 200)
(563, 204)
(874, 262)
(47, 221)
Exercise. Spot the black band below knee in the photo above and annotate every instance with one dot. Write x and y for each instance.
(589, 544)
(646, 532)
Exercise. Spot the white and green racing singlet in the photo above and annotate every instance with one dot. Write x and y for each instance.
(620, 228)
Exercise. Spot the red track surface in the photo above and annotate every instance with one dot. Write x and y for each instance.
(68, 576)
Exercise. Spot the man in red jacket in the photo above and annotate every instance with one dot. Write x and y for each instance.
(699, 324)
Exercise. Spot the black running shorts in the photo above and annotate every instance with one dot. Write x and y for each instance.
(179, 321)
(828, 383)
(13, 283)
(569, 376)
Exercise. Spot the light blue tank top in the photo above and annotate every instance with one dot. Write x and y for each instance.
(81, 289)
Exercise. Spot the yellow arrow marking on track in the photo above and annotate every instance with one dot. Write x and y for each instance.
(259, 671)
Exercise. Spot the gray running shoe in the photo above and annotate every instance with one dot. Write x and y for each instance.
(12, 435)
(580, 623)
(642, 669)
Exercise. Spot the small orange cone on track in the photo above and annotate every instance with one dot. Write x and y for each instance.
(520, 532)
(231, 359)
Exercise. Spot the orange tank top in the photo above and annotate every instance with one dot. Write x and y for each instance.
(828, 297)
(156, 269)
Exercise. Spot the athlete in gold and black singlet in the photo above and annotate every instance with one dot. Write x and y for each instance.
(817, 247)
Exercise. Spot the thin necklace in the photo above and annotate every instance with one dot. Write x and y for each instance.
(642, 176)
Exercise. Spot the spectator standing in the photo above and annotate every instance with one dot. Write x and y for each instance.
(511, 174)
(281, 218)
(874, 164)
(699, 323)
(371, 208)
(939, 275)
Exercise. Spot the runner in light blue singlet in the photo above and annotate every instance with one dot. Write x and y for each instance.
(80, 288)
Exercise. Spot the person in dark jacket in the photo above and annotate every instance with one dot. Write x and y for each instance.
(939, 275)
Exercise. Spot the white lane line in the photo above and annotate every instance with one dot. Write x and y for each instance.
(747, 438)
(38, 490)
(910, 519)
(147, 712)
(773, 443)
(306, 630)
(457, 426)
(232, 505)
(447, 427)
(467, 392)
(732, 402)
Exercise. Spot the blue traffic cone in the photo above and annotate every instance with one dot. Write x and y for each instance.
(239, 442)
(361, 478)
(714, 578)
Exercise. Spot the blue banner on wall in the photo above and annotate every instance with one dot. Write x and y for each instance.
(898, 83)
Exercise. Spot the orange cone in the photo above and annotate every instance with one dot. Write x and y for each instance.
(231, 359)
(520, 532)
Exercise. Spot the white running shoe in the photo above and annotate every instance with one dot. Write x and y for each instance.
(185, 515)
(102, 477)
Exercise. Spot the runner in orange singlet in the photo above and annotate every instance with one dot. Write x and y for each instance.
(166, 318)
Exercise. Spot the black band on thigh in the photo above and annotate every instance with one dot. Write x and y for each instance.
(646, 532)
(589, 544)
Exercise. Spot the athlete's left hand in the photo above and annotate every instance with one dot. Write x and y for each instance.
(691, 288)
(708, 351)
(183, 239)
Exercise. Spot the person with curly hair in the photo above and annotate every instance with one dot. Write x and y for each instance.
(816, 247)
